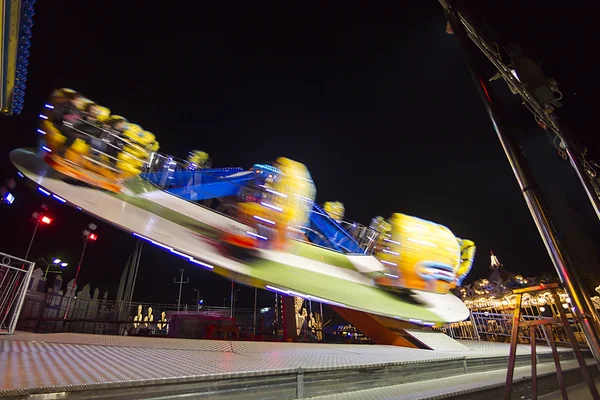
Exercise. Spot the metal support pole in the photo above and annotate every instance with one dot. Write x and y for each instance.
(533, 363)
(300, 383)
(512, 354)
(559, 373)
(74, 287)
(583, 309)
(581, 174)
(37, 224)
(135, 268)
(197, 301)
(231, 305)
(254, 326)
(578, 355)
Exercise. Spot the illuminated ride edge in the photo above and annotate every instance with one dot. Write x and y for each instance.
(192, 231)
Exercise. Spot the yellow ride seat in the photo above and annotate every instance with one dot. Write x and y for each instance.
(59, 95)
(134, 154)
(85, 103)
(54, 138)
(334, 209)
(198, 157)
(423, 254)
(467, 256)
(103, 114)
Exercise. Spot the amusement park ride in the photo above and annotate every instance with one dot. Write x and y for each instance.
(265, 230)
(259, 227)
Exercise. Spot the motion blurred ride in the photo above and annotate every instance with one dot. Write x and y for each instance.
(198, 159)
(421, 255)
(276, 210)
(335, 210)
(83, 141)
(415, 254)
(275, 205)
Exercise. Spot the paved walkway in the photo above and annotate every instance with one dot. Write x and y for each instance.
(70, 361)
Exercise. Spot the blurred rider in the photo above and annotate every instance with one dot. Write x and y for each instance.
(90, 126)
(66, 113)
(62, 101)
(117, 126)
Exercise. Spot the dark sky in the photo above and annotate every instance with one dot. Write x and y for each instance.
(375, 99)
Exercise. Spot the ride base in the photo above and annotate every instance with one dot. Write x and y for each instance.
(126, 367)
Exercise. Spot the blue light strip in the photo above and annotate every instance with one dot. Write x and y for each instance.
(47, 193)
(176, 252)
(41, 132)
(268, 221)
(304, 296)
(256, 235)
(273, 191)
(59, 198)
(416, 321)
(271, 206)
(46, 149)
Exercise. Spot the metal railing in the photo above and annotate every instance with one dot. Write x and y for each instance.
(15, 275)
(496, 327)
(107, 133)
(107, 137)
(366, 237)
(44, 313)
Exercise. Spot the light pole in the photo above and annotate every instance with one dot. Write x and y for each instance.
(232, 305)
(181, 282)
(233, 298)
(231, 302)
(254, 328)
(199, 301)
(39, 218)
(57, 262)
(88, 235)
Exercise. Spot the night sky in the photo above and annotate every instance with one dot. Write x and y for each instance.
(374, 97)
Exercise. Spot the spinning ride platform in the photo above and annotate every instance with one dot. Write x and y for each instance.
(192, 231)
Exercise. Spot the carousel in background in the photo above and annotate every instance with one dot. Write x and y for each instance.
(494, 294)
(492, 302)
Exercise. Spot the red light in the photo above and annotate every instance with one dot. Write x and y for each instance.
(93, 236)
(46, 220)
